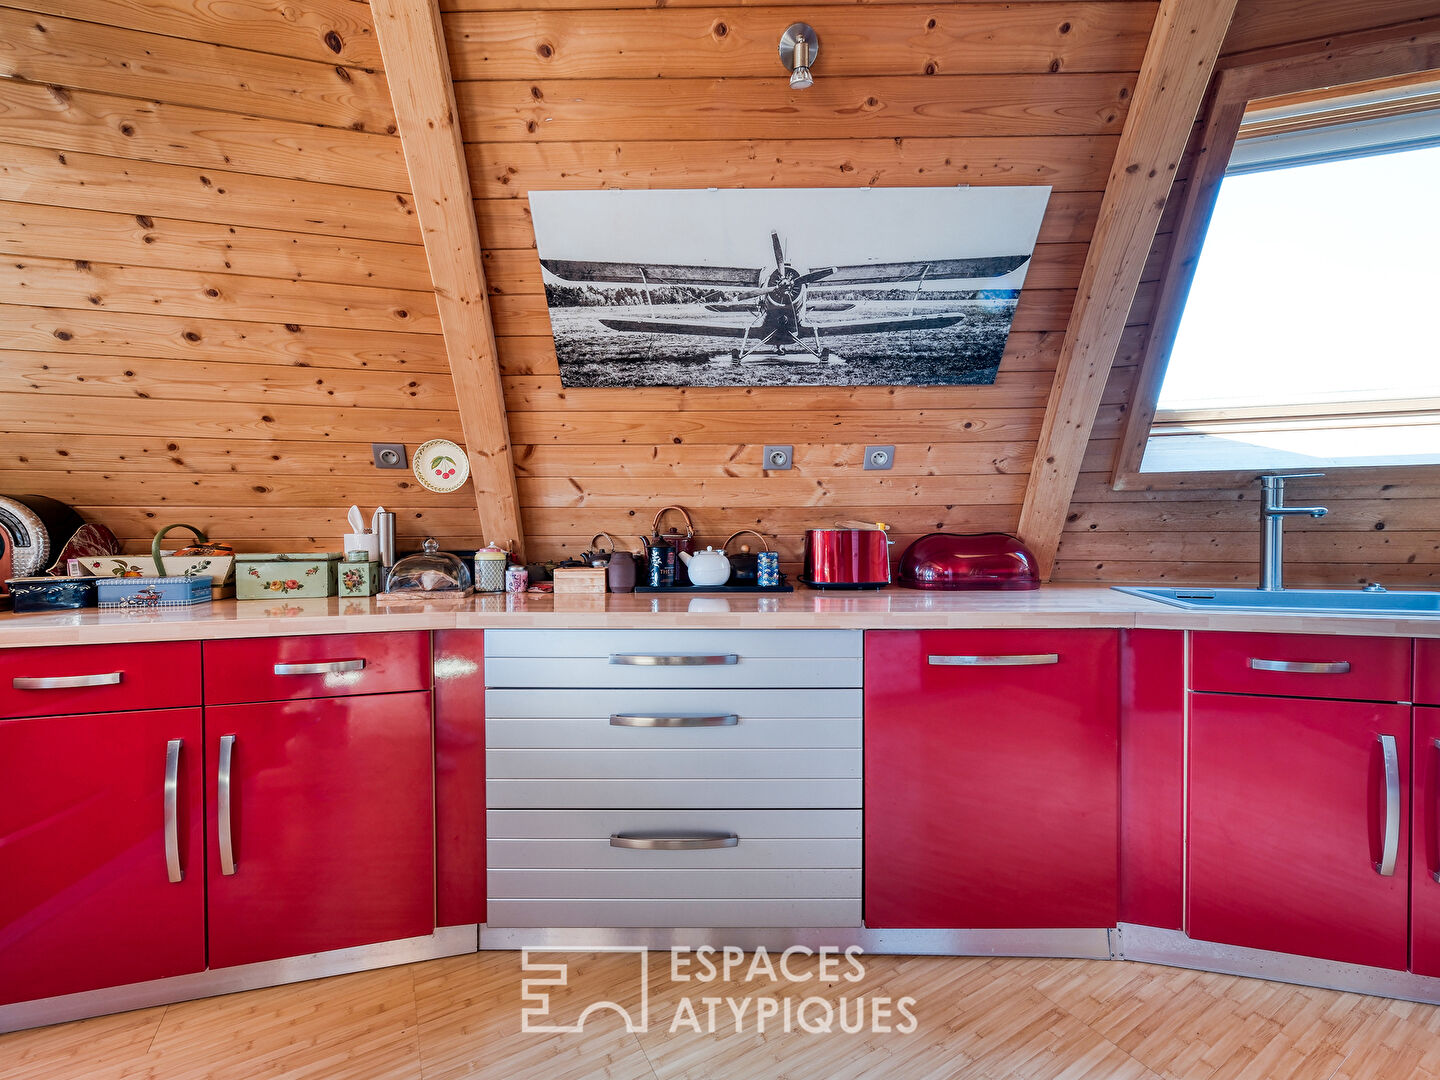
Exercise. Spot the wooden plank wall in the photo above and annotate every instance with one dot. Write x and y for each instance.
(213, 294)
(583, 94)
(1384, 524)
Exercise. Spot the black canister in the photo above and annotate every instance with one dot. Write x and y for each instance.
(662, 565)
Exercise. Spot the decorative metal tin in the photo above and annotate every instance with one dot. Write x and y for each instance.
(152, 592)
(51, 593)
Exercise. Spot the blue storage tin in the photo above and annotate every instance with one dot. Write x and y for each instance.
(153, 592)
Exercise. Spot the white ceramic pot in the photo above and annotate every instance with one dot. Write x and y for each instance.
(706, 568)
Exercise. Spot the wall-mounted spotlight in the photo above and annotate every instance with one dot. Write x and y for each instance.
(798, 48)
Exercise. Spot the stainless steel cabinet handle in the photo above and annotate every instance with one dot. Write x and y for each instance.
(681, 660)
(1390, 847)
(173, 869)
(326, 667)
(222, 784)
(1301, 667)
(1436, 875)
(673, 841)
(1022, 660)
(637, 720)
(65, 682)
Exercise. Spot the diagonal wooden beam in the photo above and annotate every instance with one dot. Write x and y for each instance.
(1178, 62)
(412, 44)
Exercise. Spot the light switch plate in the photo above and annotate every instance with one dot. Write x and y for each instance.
(777, 458)
(389, 455)
(879, 457)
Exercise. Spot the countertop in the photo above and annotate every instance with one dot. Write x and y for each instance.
(889, 609)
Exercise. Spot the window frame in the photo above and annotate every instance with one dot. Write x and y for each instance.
(1392, 53)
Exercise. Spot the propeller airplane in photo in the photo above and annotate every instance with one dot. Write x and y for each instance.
(778, 299)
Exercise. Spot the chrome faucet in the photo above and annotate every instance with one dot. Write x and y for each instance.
(1272, 522)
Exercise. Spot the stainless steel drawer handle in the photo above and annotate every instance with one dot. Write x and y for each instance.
(222, 811)
(1301, 667)
(666, 660)
(173, 870)
(1390, 847)
(673, 841)
(325, 667)
(1436, 875)
(1022, 660)
(638, 720)
(65, 682)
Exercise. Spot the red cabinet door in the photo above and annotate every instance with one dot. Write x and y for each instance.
(329, 824)
(315, 665)
(1291, 806)
(990, 783)
(87, 896)
(1425, 858)
(459, 777)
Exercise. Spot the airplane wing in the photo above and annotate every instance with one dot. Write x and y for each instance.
(882, 326)
(668, 326)
(654, 273)
(935, 270)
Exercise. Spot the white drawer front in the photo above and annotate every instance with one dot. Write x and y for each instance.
(590, 824)
(597, 854)
(673, 913)
(829, 793)
(673, 884)
(837, 644)
(600, 733)
(819, 704)
(599, 671)
(704, 764)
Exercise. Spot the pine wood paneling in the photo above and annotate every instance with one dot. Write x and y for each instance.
(172, 243)
(44, 49)
(723, 42)
(215, 295)
(581, 95)
(1382, 523)
(94, 182)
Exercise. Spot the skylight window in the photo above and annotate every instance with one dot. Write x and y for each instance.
(1308, 337)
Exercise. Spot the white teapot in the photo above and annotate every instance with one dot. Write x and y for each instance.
(708, 567)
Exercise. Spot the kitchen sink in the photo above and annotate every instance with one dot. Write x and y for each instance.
(1328, 601)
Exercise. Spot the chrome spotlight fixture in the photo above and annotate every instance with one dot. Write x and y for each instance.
(798, 48)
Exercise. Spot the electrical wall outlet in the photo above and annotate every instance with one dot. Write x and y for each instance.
(879, 457)
(778, 458)
(389, 455)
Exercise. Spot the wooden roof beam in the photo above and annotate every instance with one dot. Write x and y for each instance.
(412, 44)
(1178, 63)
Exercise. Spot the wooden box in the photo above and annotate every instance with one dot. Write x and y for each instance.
(589, 580)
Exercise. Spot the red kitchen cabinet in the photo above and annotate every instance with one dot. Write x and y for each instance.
(991, 778)
(1427, 671)
(1152, 778)
(59, 680)
(315, 666)
(459, 777)
(101, 874)
(1296, 808)
(1425, 856)
(320, 829)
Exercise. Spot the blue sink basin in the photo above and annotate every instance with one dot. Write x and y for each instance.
(1326, 601)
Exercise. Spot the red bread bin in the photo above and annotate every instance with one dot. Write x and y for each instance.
(978, 561)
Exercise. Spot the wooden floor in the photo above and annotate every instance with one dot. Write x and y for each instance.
(983, 1018)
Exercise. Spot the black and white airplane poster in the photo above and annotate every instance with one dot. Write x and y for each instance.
(784, 287)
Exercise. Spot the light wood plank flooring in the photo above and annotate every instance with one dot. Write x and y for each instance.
(987, 1019)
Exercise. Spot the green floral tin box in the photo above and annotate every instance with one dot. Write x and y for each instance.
(265, 576)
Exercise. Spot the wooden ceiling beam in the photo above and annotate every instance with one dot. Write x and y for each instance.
(412, 44)
(1179, 59)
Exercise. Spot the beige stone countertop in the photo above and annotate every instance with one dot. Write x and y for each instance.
(892, 608)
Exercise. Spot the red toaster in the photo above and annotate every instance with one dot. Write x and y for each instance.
(977, 561)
